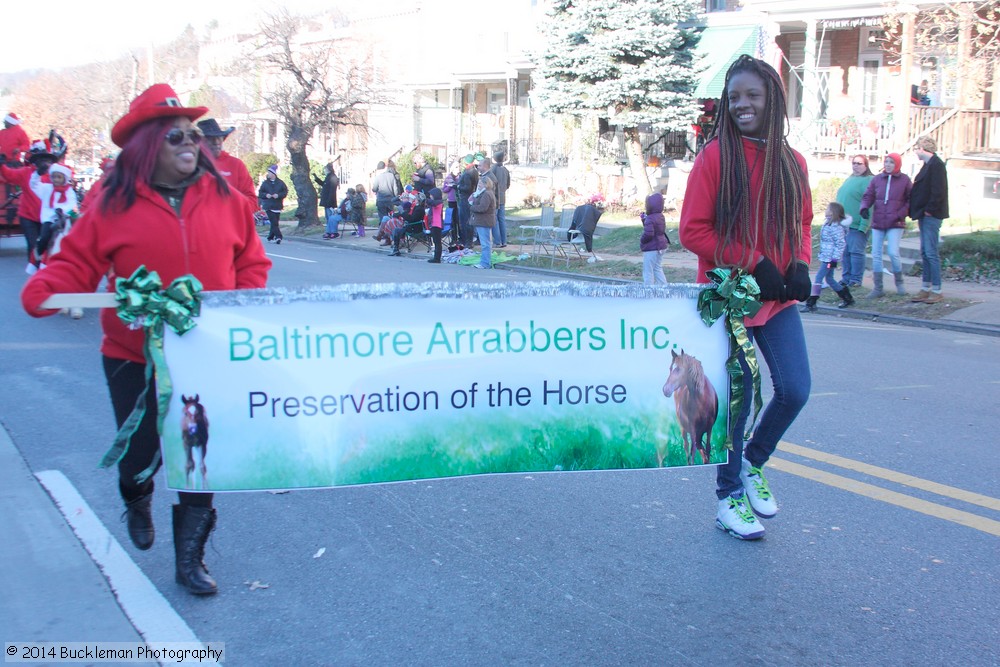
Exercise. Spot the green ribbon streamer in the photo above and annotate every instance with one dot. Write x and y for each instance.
(142, 304)
(735, 295)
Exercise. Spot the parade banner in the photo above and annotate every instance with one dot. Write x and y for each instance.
(323, 387)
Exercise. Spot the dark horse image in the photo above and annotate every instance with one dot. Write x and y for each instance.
(194, 433)
(696, 404)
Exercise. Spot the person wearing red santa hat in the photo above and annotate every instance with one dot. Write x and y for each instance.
(13, 140)
(164, 206)
(29, 209)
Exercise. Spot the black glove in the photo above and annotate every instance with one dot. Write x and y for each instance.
(772, 287)
(798, 287)
(864, 214)
(831, 265)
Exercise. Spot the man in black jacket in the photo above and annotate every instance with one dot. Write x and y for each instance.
(929, 207)
(468, 181)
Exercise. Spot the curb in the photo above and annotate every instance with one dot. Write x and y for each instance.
(950, 325)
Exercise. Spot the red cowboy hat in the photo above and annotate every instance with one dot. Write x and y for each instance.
(157, 101)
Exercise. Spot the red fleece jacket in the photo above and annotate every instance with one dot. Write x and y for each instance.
(29, 206)
(237, 175)
(214, 239)
(697, 226)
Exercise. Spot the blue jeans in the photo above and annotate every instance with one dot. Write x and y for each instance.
(486, 258)
(825, 272)
(464, 215)
(930, 234)
(879, 235)
(782, 344)
(854, 257)
(333, 219)
(500, 229)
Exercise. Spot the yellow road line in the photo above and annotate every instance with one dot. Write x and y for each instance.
(892, 476)
(892, 497)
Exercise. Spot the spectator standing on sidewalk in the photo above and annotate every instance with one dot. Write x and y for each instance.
(887, 200)
(832, 241)
(849, 196)
(748, 205)
(483, 205)
(654, 241)
(502, 177)
(385, 187)
(929, 207)
(468, 181)
(272, 195)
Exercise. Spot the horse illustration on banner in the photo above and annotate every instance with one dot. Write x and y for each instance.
(696, 404)
(194, 434)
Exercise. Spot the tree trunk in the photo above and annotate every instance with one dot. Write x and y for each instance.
(633, 149)
(305, 191)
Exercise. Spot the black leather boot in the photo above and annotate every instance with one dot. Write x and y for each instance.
(810, 305)
(192, 526)
(845, 298)
(139, 518)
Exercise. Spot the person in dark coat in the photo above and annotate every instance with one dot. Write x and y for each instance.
(585, 221)
(272, 195)
(929, 207)
(328, 194)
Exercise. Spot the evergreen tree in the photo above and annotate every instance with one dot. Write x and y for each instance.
(628, 60)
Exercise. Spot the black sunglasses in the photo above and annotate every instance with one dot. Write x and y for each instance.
(176, 136)
(858, 164)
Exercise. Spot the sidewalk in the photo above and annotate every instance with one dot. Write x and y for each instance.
(52, 590)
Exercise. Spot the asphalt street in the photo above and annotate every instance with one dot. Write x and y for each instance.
(884, 551)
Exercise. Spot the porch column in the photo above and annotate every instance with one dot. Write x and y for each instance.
(511, 129)
(901, 98)
(810, 92)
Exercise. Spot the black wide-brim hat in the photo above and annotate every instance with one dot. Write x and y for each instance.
(210, 128)
(39, 150)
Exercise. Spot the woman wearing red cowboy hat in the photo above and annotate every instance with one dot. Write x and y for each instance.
(165, 206)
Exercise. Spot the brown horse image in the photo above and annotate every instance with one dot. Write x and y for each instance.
(194, 433)
(696, 404)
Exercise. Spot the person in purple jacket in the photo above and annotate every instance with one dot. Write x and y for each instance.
(654, 241)
(887, 201)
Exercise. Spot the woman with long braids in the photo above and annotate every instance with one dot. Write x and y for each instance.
(748, 206)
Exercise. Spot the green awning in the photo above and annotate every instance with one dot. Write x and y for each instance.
(722, 45)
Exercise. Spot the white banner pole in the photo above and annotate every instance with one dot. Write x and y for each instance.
(81, 300)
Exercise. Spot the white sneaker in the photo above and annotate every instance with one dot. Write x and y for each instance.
(736, 518)
(76, 313)
(30, 269)
(758, 492)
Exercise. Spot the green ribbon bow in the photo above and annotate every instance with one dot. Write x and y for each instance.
(736, 295)
(142, 304)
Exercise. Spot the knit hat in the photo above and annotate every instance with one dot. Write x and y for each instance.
(61, 169)
(157, 101)
(898, 160)
(468, 159)
(273, 169)
(12, 119)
